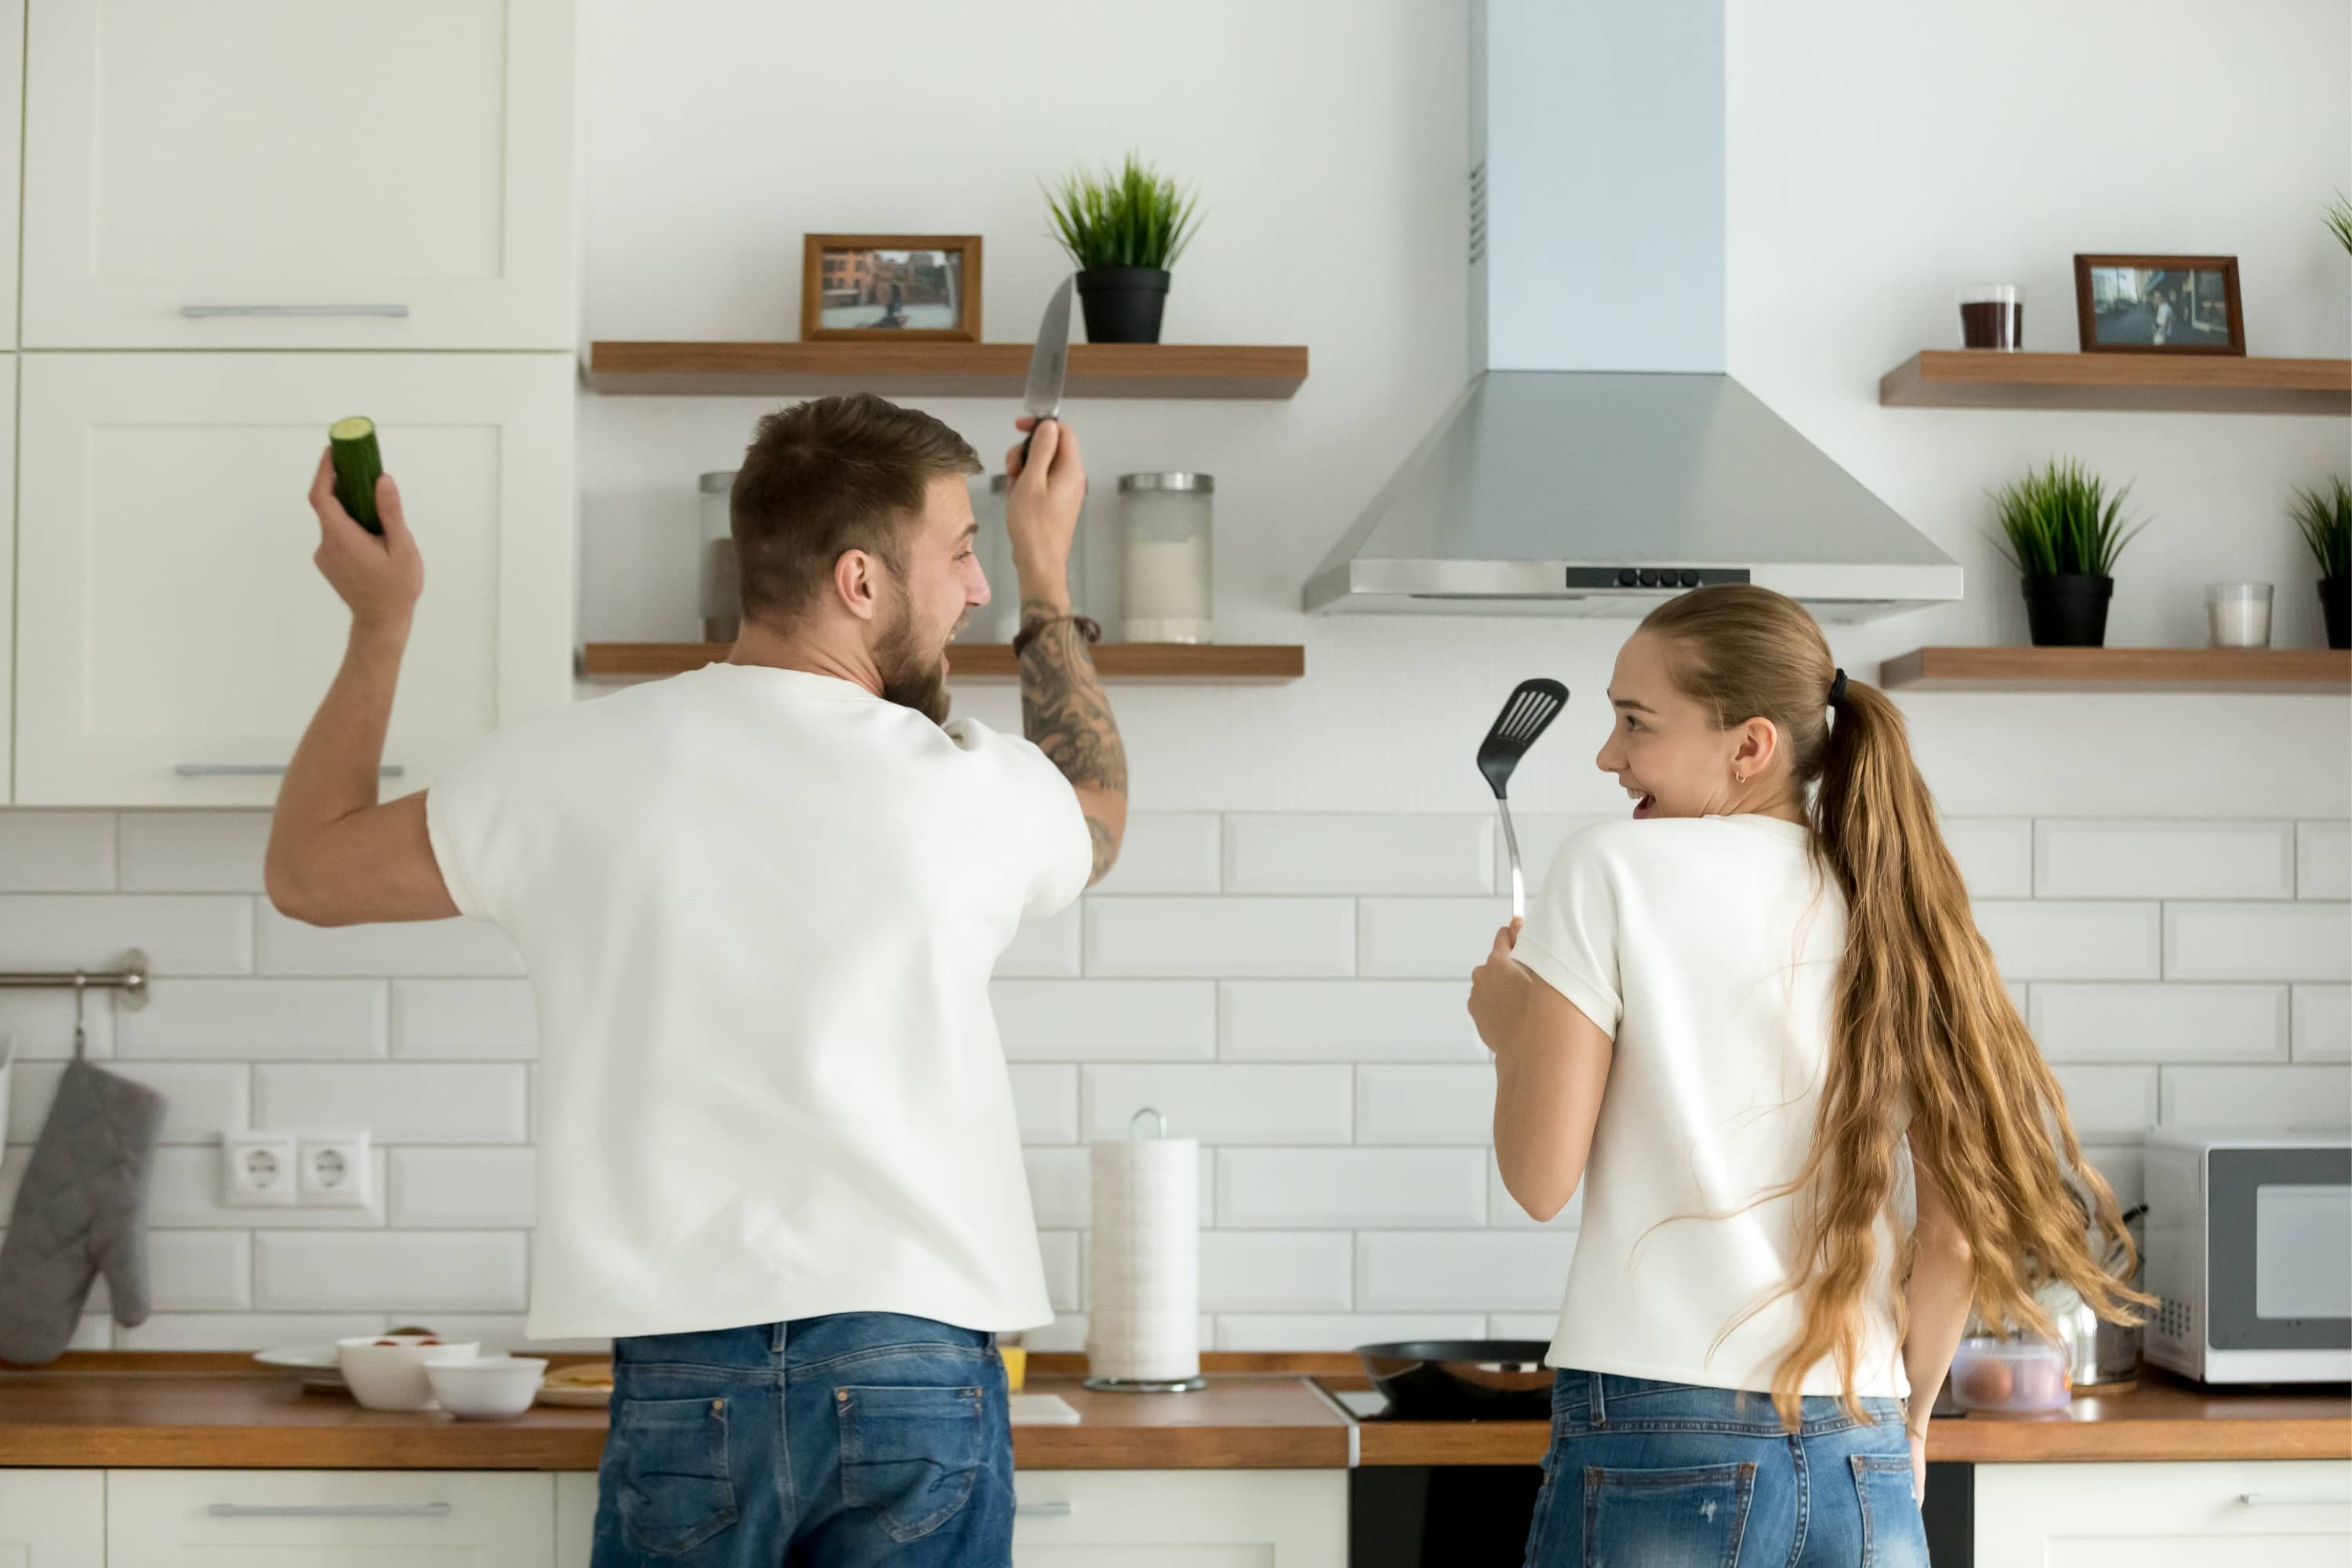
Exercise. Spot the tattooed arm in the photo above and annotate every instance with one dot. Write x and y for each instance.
(1062, 708)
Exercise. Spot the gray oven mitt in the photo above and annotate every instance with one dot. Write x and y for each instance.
(83, 1210)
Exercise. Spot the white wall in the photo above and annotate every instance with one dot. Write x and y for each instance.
(2187, 945)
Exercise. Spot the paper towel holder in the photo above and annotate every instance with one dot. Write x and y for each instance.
(1192, 1385)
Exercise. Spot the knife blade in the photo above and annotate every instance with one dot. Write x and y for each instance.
(1049, 363)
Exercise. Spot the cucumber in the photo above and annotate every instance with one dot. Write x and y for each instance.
(358, 466)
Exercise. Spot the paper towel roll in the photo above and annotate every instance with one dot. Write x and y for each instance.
(1143, 1302)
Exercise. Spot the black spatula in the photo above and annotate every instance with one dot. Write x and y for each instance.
(1530, 711)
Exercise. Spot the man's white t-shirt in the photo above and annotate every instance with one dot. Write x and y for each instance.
(759, 908)
(1707, 949)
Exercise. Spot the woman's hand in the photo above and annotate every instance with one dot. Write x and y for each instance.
(1500, 991)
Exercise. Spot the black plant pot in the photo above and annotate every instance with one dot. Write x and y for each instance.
(2069, 610)
(2335, 603)
(1123, 303)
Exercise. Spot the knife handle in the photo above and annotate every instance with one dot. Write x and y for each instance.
(1029, 438)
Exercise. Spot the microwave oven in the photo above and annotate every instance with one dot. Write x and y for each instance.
(2250, 1255)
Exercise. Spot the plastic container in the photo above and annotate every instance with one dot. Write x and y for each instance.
(721, 592)
(2019, 1376)
(1001, 618)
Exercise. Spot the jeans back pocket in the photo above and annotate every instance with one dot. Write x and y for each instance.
(669, 1457)
(1893, 1533)
(1691, 1516)
(909, 1456)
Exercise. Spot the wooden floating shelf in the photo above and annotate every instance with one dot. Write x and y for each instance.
(2207, 384)
(2313, 670)
(1129, 661)
(943, 370)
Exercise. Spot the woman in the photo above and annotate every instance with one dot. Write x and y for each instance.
(1758, 1026)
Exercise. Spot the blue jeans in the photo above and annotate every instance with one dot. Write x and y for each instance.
(1664, 1475)
(831, 1442)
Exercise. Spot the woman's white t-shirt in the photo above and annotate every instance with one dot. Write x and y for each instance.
(1707, 948)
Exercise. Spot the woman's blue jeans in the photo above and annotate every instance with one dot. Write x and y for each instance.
(1666, 1474)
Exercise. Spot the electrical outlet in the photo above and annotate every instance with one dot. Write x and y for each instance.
(257, 1169)
(333, 1169)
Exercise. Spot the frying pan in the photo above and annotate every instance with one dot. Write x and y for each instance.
(1459, 1380)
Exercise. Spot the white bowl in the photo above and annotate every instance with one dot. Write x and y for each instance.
(387, 1372)
(486, 1388)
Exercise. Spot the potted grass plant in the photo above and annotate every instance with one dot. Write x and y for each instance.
(1123, 232)
(2324, 515)
(2063, 532)
(2339, 221)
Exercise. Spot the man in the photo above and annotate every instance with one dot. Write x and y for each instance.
(758, 904)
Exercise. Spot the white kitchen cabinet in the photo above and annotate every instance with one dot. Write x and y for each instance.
(363, 175)
(174, 636)
(2250, 1514)
(7, 559)
(53, 1519)
(12, 146)
(575, 1517)
(328, 1519)
(1180, 1519)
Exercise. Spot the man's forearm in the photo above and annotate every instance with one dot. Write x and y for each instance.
(335, 769)
(1064, 710)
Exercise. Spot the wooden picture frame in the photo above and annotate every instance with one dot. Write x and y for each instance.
(962, 288)
(2088, 324)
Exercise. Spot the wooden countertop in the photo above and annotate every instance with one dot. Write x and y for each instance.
(220, 1411)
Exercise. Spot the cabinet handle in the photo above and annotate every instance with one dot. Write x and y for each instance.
(331, 1511)
(200, 313)
(256, 770)
(2295, 1499)
(1043, 1510)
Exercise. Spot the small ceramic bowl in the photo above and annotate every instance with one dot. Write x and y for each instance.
(486, 1388)
(387, 1372)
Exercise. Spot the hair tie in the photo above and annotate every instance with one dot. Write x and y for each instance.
(1837, 689)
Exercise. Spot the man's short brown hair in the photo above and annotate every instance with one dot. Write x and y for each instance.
(830, 475)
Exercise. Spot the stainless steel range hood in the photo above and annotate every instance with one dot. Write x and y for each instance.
(1599, 459)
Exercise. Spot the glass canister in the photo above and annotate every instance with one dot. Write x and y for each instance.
(722, 592)
(1001, 619)
(1165, 564)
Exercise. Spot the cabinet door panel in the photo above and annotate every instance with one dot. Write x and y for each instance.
(1181, 1518)
(52, 1519)
(311, 155)
(379, 1518)
(2266, 1514)
(173, 627)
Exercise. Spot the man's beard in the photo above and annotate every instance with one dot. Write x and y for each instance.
(911, 673)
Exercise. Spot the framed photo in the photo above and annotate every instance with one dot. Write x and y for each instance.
(2159, 305)
(910, 288)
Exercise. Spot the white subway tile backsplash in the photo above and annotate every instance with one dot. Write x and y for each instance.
(194, 851)
(1045, 1101)
(2159, 1023)
(2322, 860)
(478, 1020)
(199, 1101)
(1522, 1326)
(257, 1020)
(1504, 1213)
(2109, 1104)
(200, 1270)
(2295, 1099)
(1275, 1271)
(2121, 859)
(1995, 853)
(451, 947)
(458, 1188)
(1320, 1331)
(2072, 941)
(397, 1272)
(1223, 1104)
(246, 1330)
(1059, 1251)
(1425, 1104)
(1308, 937)
(185, 1192)
(1043, 950)
(398, 1102)
(1474, 1272)
(2322, 1022)
(2258, 942)
(1166, 852)
(41, 1024)
(180, 934)
(1106, 1020)
(56, 852)
(1355, 1188)
(1349, 1020)
(503, 1331)
(2124, 1167)
(1297, 853)
(1428, 939)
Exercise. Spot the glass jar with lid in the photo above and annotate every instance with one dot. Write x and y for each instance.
(1001, 620)
(1165, 564)
(720, 594)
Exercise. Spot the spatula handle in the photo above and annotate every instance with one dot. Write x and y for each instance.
(1518, 877)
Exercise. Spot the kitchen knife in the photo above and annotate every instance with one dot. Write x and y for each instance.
(1049, 363)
